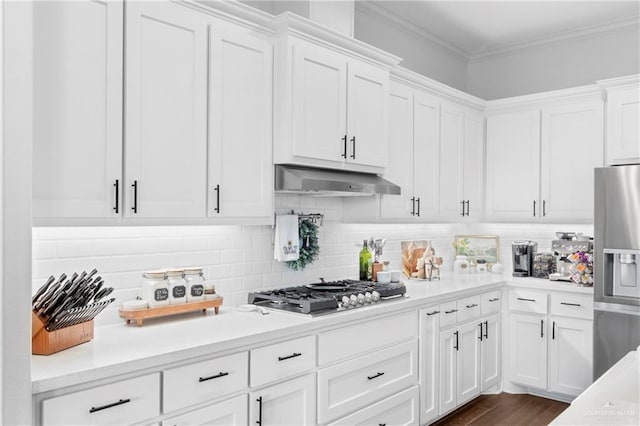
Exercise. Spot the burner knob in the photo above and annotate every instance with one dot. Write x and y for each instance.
(367, 297)
(345, 302)
(361, 299)
(375, 296)
(353, 300)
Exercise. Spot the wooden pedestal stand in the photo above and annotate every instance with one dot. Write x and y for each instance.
(140, 315)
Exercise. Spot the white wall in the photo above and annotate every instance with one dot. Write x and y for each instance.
(566, 64)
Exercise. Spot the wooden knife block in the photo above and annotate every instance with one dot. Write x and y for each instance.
(45, 342)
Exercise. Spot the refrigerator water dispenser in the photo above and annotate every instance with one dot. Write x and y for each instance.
(623, 266)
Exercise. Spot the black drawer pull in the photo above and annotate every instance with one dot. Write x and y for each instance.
(113, 404)
(293, 355)
(526, 300)
(570, 304)
(433, 313)
(494, 300)
(217, 376)
(375, 376)
(259, 401)
(472, 305)
(451, 311)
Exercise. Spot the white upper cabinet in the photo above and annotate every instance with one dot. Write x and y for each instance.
(451, 160)
(473, 165)
(426, 149)
(166, 109)
(240, 133)
(623, 120)
(540, 160)
(77, 116)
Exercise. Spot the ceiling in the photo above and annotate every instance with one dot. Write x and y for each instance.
(481, 28)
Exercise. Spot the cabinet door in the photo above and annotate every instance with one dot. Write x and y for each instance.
(429, 340)
(240, 166)
(448, 345)
(426, 136)
(451, 160)
(528, 350)
(319, 104)
(232, 412)
(513, 150)
(166, 105)
(400, 409)
(367, 114)
(289, 403)
(570, 355)
(468, 362)
(623, 126)
(572, 145)
(491, 352)
(473, 164)
(400, 152)
(77, 108)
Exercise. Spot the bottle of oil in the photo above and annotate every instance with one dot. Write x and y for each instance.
(365, 262)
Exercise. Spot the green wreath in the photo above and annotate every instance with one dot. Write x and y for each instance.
(309, 247)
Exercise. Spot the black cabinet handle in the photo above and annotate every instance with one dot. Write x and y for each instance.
(344, 140)
(217, 376)
(113, 404)
(467, 203)
(456, 347)
(433, 313)
(486, 329)
(534, 208)
(375, 376)
(541, 328)
(544, 208)
(462, 202)
(353, 153)
(526, 300)
(451, 311)
(259, 400)
(116, 185)
(553, 331)
(494, 300)
(135, 196)
(480, 336)
(413, 208)
(570, 304)
(217, 189)
(418, 201)
(293, 355)
(473, 305)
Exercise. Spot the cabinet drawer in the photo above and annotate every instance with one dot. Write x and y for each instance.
(282, 360)
(232, 412)
(490, 302)
(358, 383)
(528, 301)
(202, 381)
(572, 305)
(400, 409)
(468, 308)
(366, 337)
(125, 402)
(448, 314)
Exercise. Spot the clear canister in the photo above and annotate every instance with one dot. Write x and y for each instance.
(195, 284)
(155, 289)
(177, 286)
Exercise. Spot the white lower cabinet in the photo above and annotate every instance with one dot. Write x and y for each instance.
(399, 410)
(232, 412)
(429, 363)
(490, 351)
(570, 355)
(289, 403)
(528, 350)
(365, 380)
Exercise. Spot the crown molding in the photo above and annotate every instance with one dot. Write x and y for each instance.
(233, 11)
(573, 94)
(380, 12)
(624, 82)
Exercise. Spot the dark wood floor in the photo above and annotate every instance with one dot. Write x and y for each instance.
(505, 409)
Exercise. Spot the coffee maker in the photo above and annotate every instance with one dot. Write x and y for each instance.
(523, 251)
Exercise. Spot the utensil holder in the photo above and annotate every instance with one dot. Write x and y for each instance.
(45, 342)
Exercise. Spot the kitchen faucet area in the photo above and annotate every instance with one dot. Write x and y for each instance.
(320, 212)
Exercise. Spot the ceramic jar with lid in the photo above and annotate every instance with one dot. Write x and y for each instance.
(195, 284)
(177, 286)
(461, 265)
(155, 289)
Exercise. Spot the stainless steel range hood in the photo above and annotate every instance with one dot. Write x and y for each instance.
(291, 179)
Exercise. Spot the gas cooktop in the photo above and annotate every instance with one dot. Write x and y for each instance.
(327, 297)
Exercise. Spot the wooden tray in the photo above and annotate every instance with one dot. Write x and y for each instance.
(140, 315)
(45, 342)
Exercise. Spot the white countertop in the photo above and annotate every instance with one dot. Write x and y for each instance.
(121, 349)
(613, 399)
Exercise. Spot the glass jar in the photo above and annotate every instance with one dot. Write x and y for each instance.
(195, 284)
(482, 265)
(155, 289)
(461, 265)
(177, 286)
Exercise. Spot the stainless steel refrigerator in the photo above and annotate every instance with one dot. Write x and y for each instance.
(616, 265)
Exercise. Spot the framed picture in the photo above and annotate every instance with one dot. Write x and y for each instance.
(476, 247)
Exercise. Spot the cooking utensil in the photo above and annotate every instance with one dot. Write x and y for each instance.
(46, 298)
(250, 308)
(81, 314)
(42, 289)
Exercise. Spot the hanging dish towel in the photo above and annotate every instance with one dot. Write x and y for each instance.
(287, 238)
